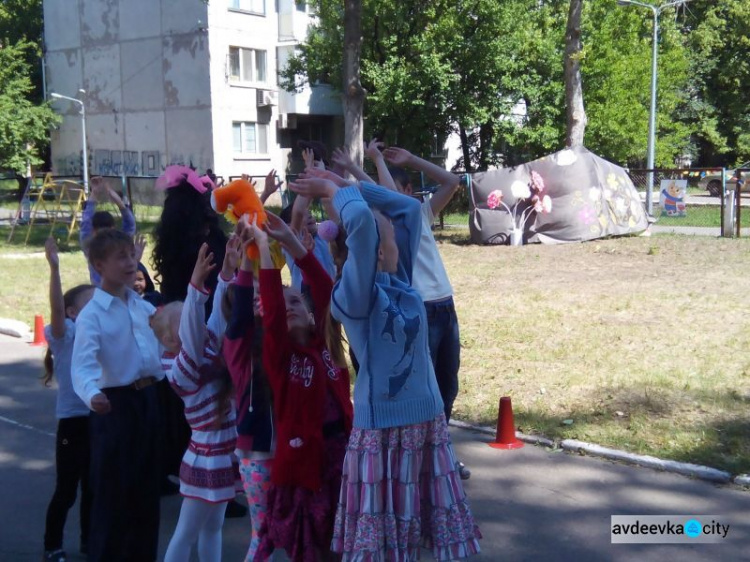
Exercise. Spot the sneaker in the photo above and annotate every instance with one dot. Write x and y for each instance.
(235, 509)
(54, 556)
(463, 472)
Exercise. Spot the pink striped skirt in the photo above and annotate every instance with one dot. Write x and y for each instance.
(400, 491)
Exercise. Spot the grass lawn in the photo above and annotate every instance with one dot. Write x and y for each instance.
(636, 343)
(697, 215)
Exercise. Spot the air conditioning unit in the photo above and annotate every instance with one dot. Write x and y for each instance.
(267, 97)
(287, 121)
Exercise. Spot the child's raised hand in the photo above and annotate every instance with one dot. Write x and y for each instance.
(373, 149)
(271, 184)
(341, 158)
(258, 234)
(314, 187)
(397, 156)
(99, 189)
(307, 240)
(245, 231)
(308, 156)
(325, 174)
(50, 252)
(279, 230)
(140, 246)
(232, 256)
(203, 266)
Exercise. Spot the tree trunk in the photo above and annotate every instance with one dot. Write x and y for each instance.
(468, 167)
(575, 112)
(354, 94)
(485, 146)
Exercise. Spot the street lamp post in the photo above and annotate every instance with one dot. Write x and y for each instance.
(656, 10)
(85, 163)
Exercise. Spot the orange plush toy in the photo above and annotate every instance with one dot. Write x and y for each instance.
(236, 199)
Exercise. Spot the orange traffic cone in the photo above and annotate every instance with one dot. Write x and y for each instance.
(505, 435)
(39, 338)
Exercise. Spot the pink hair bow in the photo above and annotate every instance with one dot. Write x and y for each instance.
(175, 175)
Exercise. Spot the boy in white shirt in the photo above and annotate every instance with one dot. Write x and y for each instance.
(115, 365)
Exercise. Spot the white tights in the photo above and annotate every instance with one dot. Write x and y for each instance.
(201, 521)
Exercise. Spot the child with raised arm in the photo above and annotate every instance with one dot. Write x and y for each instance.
(201, 379)
(115, 367)
(399, 465)
(242, 353)
(313, 412)
(92, 221)
(302, 222)
(72, 440)
(430, 278)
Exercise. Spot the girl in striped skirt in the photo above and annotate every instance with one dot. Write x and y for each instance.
(207, 474)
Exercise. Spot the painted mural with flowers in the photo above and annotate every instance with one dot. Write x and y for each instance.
(570, 196)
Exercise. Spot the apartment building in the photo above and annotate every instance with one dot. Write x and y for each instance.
(190, 82)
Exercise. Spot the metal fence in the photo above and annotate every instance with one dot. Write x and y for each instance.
(710, 201)
(694, 200)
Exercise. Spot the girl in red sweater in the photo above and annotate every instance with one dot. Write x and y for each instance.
(312, 405)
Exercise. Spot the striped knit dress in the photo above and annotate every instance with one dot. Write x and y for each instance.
(207, 471)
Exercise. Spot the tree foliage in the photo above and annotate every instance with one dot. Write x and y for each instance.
(21, 22)
(719, 93)
(440, 67)
(24, 118)
(617, 83)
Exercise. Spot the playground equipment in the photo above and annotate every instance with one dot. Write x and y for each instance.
(55, 202)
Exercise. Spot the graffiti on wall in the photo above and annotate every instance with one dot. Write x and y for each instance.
(116, 163)
(103, 162)
(70, 165)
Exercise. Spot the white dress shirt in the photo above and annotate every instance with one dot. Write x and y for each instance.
(114, 344)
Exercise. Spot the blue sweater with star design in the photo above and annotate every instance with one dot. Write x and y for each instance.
(384, 317)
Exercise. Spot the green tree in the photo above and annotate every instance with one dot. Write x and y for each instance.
(24, 125)
(21, 21)
(430, 69)
(617, 84)
(719, 94)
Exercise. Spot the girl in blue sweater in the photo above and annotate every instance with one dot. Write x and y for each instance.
(399, 485)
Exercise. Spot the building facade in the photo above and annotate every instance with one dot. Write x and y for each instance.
(182, 82)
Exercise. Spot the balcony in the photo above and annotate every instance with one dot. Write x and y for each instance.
(293, 21)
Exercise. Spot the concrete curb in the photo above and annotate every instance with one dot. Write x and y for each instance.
(572, 445)
(687, 469)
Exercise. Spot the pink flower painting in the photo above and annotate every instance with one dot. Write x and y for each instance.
(494, 199)
(529, 195)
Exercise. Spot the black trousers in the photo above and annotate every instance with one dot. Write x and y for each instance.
(125, 476)
(72, 468)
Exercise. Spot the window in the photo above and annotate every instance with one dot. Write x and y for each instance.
(250, 138)
(247, 65)
(252, 6)
(301, 5)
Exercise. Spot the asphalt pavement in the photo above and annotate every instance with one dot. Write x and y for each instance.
(531, 504)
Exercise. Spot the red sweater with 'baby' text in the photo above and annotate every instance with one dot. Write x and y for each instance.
(302, 379)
